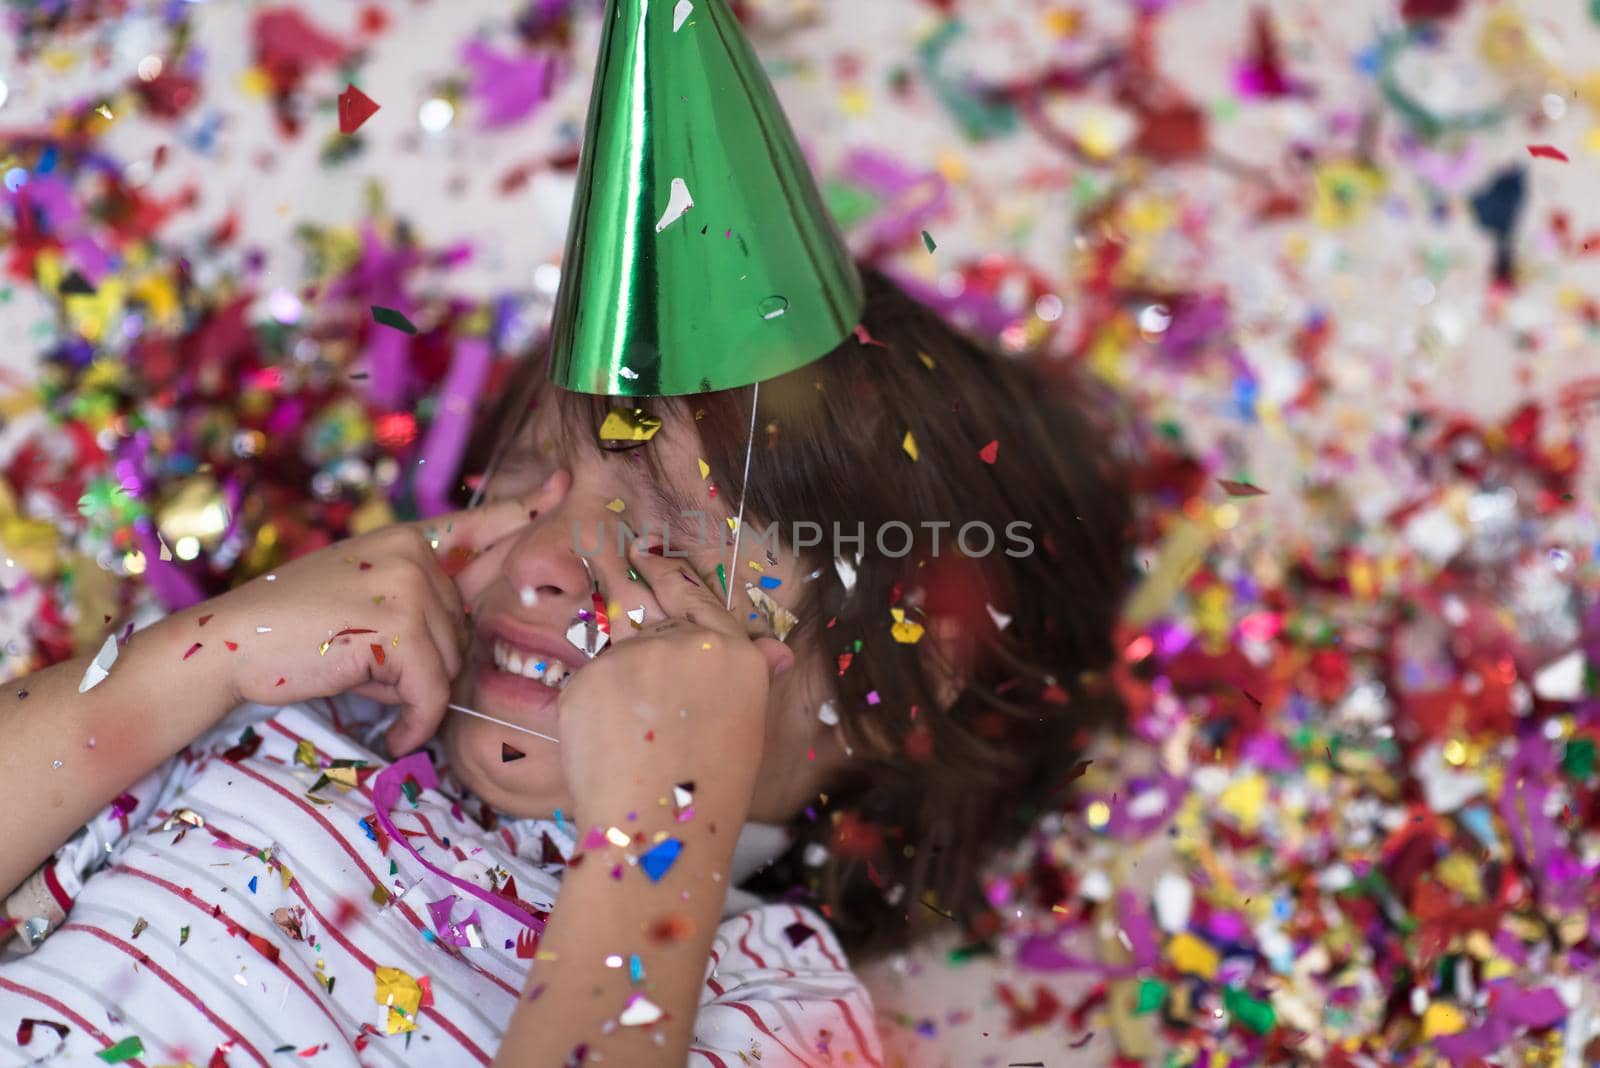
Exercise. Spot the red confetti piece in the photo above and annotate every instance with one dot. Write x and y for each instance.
(232, 646)
(867, 339)
(365, 566)
(206, 618)
(988, 453)
(355, 630)
(844, 662)
(1547, 152)
(263, 946)
(192, 650)
(26, 1026)
(279, 682)
(377, 653)
(1240, 489)
(355, 108)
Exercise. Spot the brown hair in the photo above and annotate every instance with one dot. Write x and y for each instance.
(930, 793)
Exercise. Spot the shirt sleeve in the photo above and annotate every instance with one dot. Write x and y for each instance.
(42, 902)
(779, 991)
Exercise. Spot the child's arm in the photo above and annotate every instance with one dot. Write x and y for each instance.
(678, 705)
(574, 997)
(377, 615)
(67, 755)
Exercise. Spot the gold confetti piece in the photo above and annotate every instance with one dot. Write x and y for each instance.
(705, 469)
(618, 837)
(400, 994)
(927, 361)
(779, 618)
(910, 445)
(104, 111)
(616, 504)
(305, 753)
(905, 631)
(629, 425)
(344, 778)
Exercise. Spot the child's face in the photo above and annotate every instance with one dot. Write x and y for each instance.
(526, 590)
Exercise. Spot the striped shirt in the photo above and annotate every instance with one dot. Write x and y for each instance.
(242, 905)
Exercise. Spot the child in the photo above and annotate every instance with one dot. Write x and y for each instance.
(659, 825)
(269, 887)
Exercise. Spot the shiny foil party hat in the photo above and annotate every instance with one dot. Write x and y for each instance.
(699, 256)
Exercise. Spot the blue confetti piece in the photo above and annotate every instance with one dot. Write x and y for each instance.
(661, 858)
(635, 968)
(365, 826)
(253, 879)
(770, 583)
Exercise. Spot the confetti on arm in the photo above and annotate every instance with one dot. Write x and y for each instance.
(100, 667)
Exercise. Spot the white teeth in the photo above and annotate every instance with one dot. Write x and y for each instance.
(551, 672)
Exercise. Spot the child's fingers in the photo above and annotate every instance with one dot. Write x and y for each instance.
(681, 593)
(457, 536)
(424, 691)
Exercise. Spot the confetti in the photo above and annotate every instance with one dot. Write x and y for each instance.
(628, 427)
(128, 1049)
(1240, 489)
(509, 755)
(681, 13)
(1547, 152)
(927, 241)
(100, 667)
(990, 452)
(355, 108)
(777, 617)
(640, 1011)
(910, 445)
(392, 319)
(678, 205)
(660, 858)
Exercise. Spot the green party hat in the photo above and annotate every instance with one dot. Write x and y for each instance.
(700, 255)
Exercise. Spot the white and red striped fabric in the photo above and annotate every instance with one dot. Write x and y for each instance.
(231, 911)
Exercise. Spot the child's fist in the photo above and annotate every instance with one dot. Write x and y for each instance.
(682, 698)
(378, 615)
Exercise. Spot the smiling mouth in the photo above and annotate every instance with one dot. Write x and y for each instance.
(543, 669)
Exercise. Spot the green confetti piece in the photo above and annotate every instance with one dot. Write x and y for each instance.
(126, 1050)
(927, 239)
(1152, 992)
(1254, 1013)
(183, 935)
(1578, 759)
(722, 577)
(391, 318)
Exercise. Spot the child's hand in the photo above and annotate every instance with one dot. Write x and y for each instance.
(378, 615)
(683, 698)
